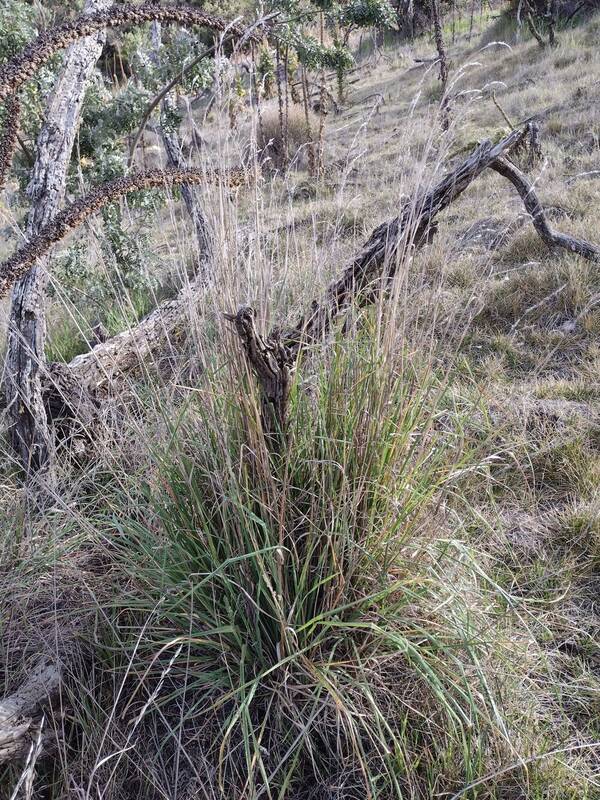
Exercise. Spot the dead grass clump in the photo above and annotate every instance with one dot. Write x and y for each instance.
(300, 135)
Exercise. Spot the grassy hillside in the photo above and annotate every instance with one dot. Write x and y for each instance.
(402, 602)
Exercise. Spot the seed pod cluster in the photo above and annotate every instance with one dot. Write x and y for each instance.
(80, 210)
(8, 142)
(24, 65)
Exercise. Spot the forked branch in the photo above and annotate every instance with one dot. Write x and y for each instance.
(535, 209)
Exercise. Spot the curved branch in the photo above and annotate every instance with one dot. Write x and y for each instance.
(24, 65)
(535, 210)
(80, 210)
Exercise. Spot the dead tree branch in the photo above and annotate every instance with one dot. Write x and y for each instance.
(384, 249)
(273, 358)
(273, 366)
(536, 211)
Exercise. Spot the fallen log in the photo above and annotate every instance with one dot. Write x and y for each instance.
(273, 357)
(20, 712)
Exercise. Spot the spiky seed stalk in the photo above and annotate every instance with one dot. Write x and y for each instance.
(8, 143)
(24, 65)
(80, 210)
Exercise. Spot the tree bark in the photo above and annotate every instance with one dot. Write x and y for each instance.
(28, 425)
(20, 712)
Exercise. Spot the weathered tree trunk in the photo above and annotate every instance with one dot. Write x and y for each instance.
(29, 431)
(190, 195)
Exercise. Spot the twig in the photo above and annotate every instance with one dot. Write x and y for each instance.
(234, 32)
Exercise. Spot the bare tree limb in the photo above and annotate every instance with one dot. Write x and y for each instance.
(233, 32)
(274, 357)
(386, 246)
(534, 208)
(273, 365)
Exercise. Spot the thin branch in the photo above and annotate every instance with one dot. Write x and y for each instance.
(156, 100)
(234, 32)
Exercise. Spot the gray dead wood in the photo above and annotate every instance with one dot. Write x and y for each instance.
(273, 365)
(535, 209)
(375, 266)
(20, 712)
(28, 427)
